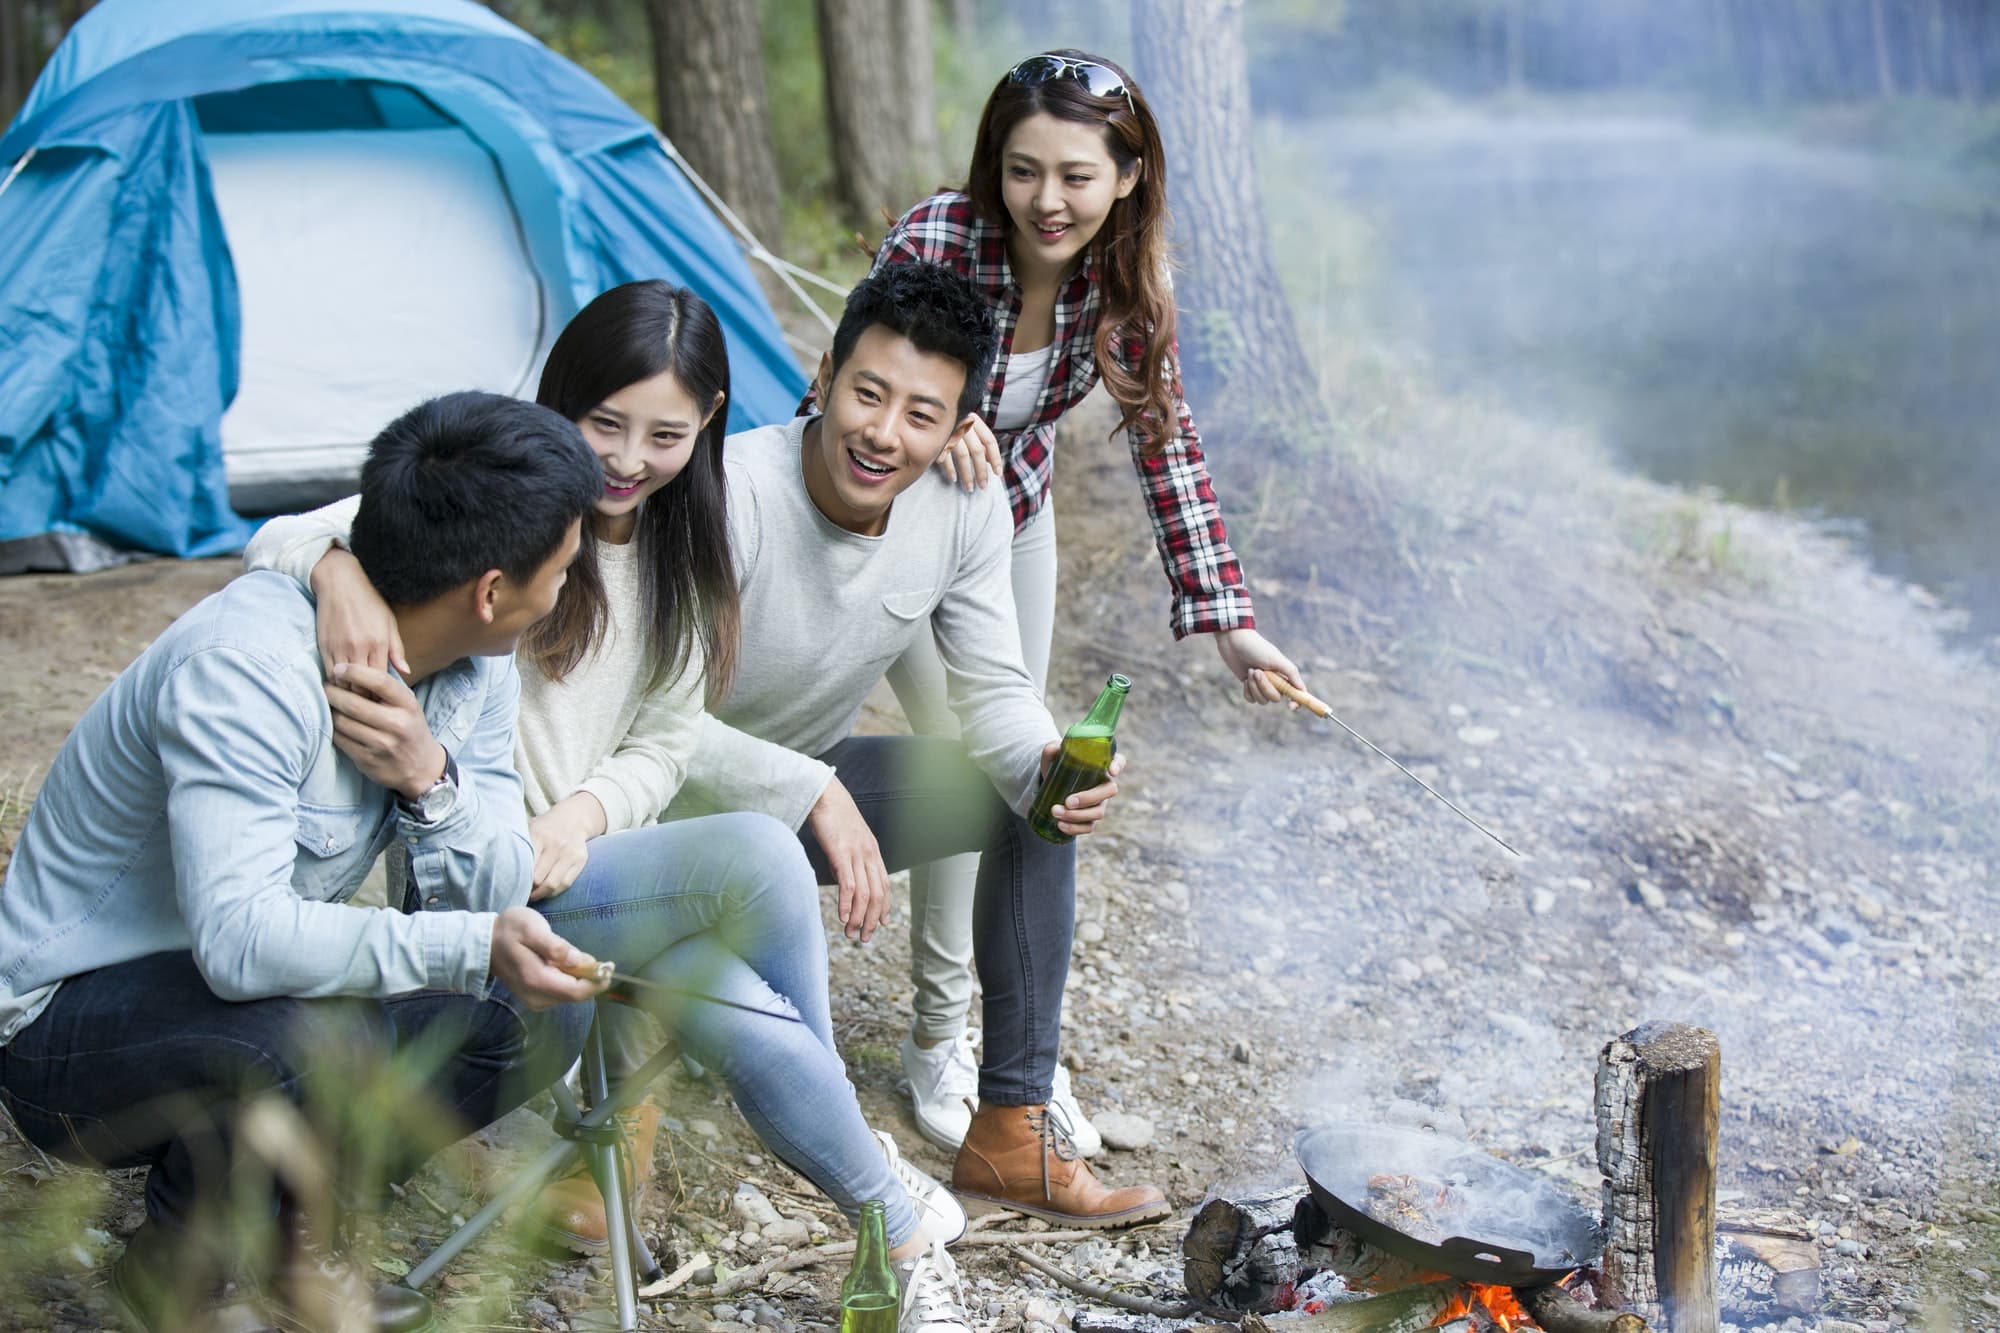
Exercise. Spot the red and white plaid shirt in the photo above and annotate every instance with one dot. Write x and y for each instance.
(1187, 526)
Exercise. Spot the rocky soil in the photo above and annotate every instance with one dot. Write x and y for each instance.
(1754, 787)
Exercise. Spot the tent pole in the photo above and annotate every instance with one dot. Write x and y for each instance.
(26, 158)
(753, 246)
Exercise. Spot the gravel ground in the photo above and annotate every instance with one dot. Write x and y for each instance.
(1754, 786)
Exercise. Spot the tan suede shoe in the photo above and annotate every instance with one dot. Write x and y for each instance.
(570, 1211)
(1019, 1157)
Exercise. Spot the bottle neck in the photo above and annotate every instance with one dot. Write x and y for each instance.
(1102, 718)
(871, 1240)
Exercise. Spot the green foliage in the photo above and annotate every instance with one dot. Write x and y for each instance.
(609, 38)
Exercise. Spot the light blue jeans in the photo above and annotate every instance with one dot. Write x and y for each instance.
(727, 907)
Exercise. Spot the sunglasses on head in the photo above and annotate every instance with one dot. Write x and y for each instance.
(1098, 80)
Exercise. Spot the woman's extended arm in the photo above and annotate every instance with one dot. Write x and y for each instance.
(1209, 592)
(353, 623)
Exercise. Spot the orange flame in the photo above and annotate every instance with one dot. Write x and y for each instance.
(1498, 1303)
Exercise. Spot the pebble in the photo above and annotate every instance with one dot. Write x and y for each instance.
(1090, 932)
(788, 1233)
(1123, 1131)
(1043, 1311)
(1542, 901)
(1405, 971)
(1784, 763)
(1651, 894)
(1478, 735)
(708, 1129)
(750, 1205)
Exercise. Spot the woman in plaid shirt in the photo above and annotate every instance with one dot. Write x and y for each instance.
(1062, 225)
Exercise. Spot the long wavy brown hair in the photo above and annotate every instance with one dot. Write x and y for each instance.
(687, 579)
(1130, 249)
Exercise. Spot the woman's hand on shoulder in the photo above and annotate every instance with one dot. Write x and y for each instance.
(354, 625)
(1249, 655)
(561, 836)
(973, 457)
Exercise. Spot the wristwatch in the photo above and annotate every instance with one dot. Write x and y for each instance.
(437, 800)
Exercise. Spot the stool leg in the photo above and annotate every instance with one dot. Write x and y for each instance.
(620, 1228)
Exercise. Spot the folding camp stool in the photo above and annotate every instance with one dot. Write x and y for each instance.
(596, 1136)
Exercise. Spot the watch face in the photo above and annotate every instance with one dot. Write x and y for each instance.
(436, 803)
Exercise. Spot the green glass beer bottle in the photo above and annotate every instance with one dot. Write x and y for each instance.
(1085, 760)
(869, 1296)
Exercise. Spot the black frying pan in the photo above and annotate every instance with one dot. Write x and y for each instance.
(1503, 1224)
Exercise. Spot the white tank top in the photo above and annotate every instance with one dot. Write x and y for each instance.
(1027, 376)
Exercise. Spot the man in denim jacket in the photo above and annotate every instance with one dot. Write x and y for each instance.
(174, 935)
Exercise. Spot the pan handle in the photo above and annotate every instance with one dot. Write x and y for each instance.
(1504, 1262)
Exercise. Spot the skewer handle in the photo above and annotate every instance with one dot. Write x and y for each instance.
(592, 971)
(1297, 695)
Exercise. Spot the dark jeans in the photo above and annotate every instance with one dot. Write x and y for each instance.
(924, 798)
(140, 1064)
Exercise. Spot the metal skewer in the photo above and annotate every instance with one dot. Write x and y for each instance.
(1319, 709)
(607, 974)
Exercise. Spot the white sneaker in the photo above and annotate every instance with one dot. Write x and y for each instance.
(933, 1301)
(944, 1086)
(1082, 1133)
(937, 1207)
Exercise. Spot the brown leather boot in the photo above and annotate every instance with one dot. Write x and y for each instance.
(570, 1211)
(1018, 1157)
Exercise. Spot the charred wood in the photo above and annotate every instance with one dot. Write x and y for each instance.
(1409, 1310)
(1559, 1312)
(1769, 1270)
(1658, 1108)
(1240, 1253)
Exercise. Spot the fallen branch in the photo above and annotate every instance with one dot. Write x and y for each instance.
(1097, 1291)
(806, 1258)
(784, 1263)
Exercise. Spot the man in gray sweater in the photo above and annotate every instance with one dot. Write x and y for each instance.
(848, 546)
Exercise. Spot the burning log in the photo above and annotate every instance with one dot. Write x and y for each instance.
(1559, 1312)
(1408, 1310)
(1658, 1109)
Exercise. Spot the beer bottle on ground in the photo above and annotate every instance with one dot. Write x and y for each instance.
(869, 1295)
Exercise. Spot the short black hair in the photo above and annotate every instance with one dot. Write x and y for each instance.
(935, 308)
(466, 483)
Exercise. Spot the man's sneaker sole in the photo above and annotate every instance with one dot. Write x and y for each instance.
(977, 1205)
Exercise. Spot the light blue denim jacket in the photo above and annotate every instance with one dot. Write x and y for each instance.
(201, 804)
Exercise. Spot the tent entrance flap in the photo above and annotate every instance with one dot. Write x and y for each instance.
(376, 268)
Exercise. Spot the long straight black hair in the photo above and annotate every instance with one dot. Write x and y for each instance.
(687, 578)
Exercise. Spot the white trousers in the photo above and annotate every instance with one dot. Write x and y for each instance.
(941, 892)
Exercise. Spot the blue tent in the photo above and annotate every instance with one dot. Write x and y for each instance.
(236, 236)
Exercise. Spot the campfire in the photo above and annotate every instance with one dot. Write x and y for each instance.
(1398, 1229)
(1486, 1305)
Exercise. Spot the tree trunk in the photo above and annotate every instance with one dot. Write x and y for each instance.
(708, 68)
(13, 52)
(1239, 347)
(1658, 1109)
(1885, 74)
(865, 113)
(916, 61)
(1514, 44)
